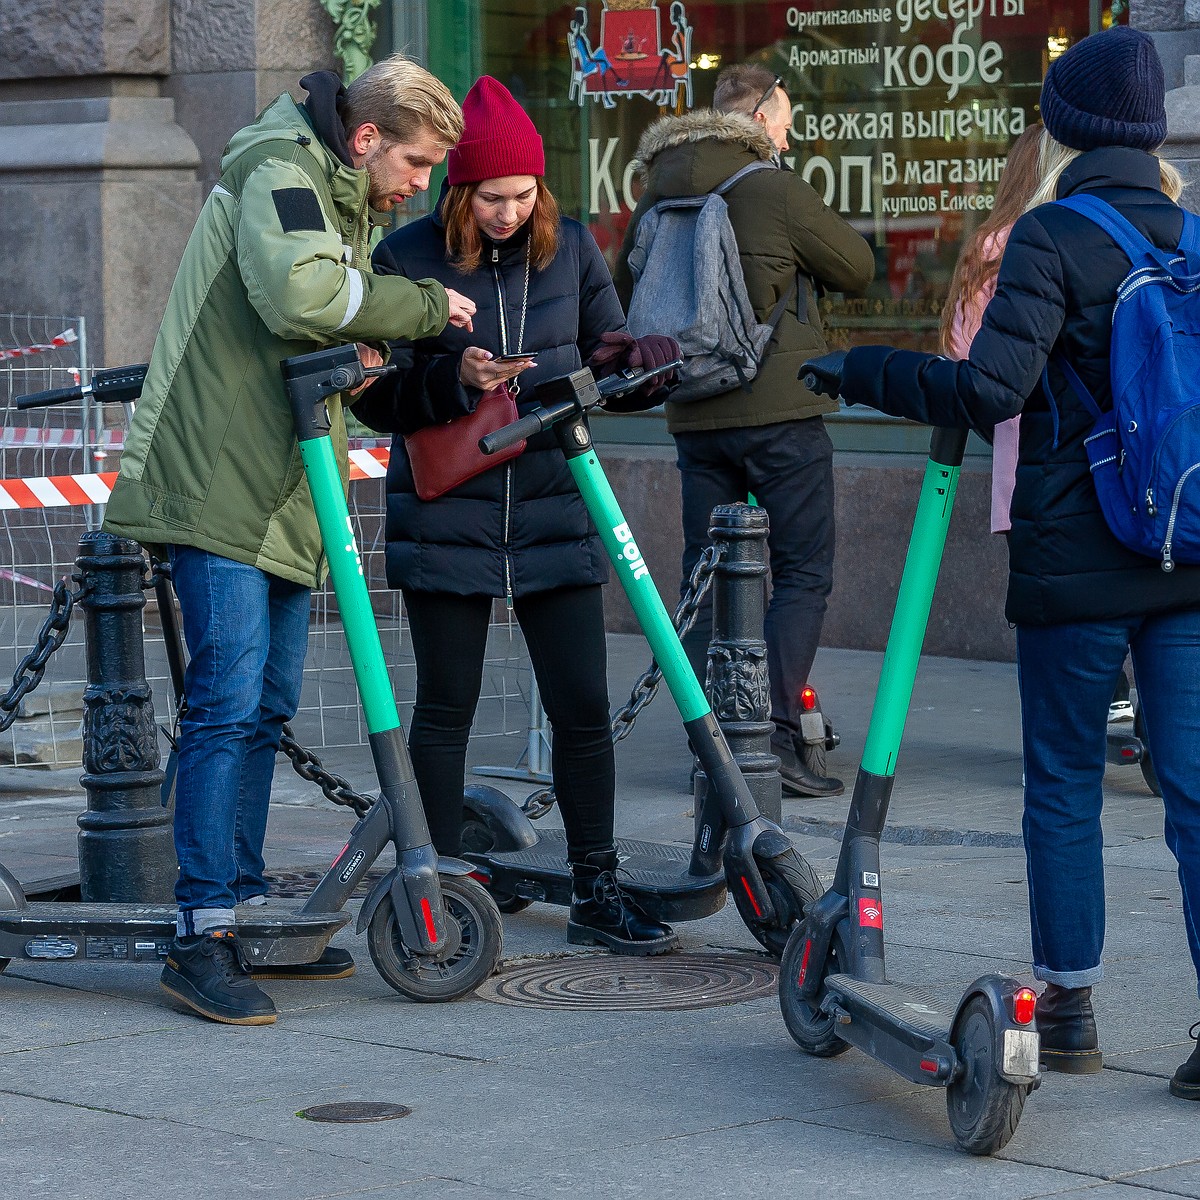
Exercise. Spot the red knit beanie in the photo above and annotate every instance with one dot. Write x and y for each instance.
(498, 137)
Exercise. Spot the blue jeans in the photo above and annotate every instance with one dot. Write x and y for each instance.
(1067, 674)
(247, 635)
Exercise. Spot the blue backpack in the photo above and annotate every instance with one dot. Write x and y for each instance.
(1145, 452)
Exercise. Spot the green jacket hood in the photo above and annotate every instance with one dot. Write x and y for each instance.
(710, 140)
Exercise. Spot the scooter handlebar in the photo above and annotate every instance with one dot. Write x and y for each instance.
(113, 385)
(522, 428)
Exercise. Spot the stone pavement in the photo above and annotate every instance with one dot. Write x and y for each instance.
(106, 1091)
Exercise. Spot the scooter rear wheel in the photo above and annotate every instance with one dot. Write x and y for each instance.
(792, 885)
(422, 977)
(812, 1030)
(983, 1106)
(1149, 774)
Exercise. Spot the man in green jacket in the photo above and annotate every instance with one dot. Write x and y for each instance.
(768, 438)
(277, 265)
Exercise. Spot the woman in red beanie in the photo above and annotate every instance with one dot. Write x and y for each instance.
(519, 530)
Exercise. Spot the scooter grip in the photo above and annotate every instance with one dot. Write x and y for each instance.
(522, 428)
(53, 396)
(811, 382)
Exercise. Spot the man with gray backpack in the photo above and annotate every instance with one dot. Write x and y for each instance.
(724, 252)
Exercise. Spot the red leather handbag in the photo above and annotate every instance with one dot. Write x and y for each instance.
(443, 456)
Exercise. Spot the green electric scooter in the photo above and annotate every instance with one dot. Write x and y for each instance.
(981, 1046)
(433, 931)
(735, 850)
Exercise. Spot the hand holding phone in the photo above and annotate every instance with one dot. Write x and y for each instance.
(524, 356)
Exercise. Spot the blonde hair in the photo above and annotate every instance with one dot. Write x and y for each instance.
(1054, 158)
(402, 99)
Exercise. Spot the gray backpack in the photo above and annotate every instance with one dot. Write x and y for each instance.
(688, 284)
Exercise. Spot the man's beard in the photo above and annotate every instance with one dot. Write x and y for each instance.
(378, 196)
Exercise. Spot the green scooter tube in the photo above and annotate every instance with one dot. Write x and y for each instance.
(911, 617)
(353, 598)
(638, 586)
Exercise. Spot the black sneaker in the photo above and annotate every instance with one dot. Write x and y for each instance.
(211, 976)
(333, 964)
(798, 779)
(1185, 1083)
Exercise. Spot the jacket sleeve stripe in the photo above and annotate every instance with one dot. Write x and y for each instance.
(354, 302)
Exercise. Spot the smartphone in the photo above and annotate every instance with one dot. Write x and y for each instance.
(507, 358)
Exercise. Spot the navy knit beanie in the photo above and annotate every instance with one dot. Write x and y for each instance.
(1107, 90)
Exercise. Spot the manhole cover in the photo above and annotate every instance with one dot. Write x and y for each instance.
(352, 1111)
(298, 882)
(610, 983)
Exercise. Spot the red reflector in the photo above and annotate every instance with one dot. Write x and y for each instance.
(753, 902)
(341, 853)
(430, 926)
(804, 963)
(928, 1064)
(808, 699)
(481, 877)
(1023, 1005)
(1128, 753)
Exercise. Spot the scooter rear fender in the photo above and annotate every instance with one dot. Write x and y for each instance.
(1016, 1057)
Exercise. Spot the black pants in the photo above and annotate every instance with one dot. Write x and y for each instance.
(788, 467)
(564, 630)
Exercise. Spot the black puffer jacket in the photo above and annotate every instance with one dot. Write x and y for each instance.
(1056, 289)
(520, 527)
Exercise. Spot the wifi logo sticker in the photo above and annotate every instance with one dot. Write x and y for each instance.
(870, 913)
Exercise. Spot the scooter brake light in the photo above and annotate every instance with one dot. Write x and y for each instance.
(430, 924)
(1023, 1005)
(808, 699)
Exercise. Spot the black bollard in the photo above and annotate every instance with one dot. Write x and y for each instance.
(126, 851)
(737, 683)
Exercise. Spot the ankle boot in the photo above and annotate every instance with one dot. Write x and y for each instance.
(602, 914)
(1066, 1025)
(1185, 1083)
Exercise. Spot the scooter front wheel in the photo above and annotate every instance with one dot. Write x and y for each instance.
(792, 886)
(813, 1031)
(983, 1106)
(477, 940)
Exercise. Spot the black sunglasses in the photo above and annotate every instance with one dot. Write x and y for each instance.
(767, 94)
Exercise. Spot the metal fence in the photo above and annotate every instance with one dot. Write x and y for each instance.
(53, 463)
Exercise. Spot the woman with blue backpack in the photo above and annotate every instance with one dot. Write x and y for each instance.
(1105, 535)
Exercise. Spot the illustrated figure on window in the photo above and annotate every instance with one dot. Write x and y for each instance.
(589, 62)
(632, 55)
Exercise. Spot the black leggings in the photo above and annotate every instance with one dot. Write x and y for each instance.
(564, 630)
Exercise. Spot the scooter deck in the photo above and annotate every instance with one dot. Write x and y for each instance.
(655, 873)
(273, 934)
(927, 1012)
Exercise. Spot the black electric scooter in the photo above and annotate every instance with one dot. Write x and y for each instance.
(433, 932)
(982, 1046)
(736, 850)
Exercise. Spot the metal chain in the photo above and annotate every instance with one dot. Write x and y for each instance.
(539, 803)
(646, 688)
(33, 666)
(308, 766)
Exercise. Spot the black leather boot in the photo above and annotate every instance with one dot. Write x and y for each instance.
(604, 915)
(1185, 1083)
(798, 778)
(1066, 1025)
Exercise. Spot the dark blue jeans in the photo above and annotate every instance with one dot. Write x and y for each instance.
(788, 467)
(247, 635)
(1067, 674)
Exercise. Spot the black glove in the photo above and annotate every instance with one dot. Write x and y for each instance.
(823, 376)
(612, 353)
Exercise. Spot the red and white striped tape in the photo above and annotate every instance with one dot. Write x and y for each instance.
(67, 491)
(66, 338)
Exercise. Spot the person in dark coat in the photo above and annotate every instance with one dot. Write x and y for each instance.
(1076, 595)
(519, 530)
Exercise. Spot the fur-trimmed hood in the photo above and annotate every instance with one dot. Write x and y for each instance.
(699, 125)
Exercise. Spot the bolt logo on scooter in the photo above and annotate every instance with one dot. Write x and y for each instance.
(736, 849)
(834, 992)
(433, 932)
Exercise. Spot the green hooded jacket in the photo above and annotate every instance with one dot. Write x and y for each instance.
(277, 265)
(781, 226)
